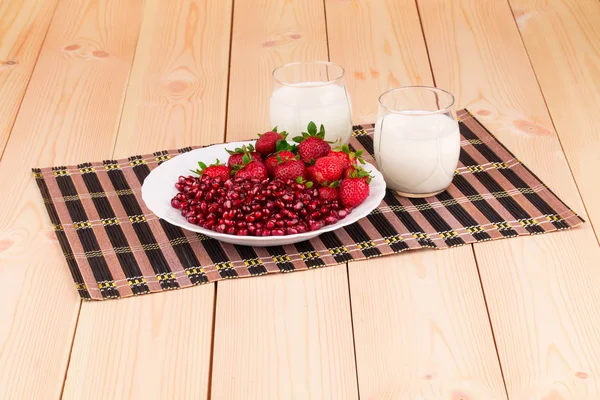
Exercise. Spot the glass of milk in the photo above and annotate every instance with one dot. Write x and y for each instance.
(311, 91)
(417, 142)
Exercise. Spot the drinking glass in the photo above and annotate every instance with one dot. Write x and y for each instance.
(416, 140)
(311, 91)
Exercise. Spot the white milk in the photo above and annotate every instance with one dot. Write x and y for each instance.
(293, 107)
(417, 154)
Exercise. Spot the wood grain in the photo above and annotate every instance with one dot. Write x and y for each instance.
(23, 27)
(160, 345)
(178, 84)
(155, 346)
(284, 337)
(541, 291)
(562, 39)
(421, 328)
(420, 323)
(69, 114)
(280, 336)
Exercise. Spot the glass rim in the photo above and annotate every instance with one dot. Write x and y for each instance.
(317, 62)
(441, 110)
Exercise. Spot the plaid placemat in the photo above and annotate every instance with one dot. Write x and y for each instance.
(115, 247)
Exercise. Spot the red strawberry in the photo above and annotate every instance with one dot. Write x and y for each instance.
(272, 161)
(236, 155)
(328, 169)
(284, 151)
(291, 169)
(330, 192)
(312, 143)
(250, 169)
(347, 156)
(267, 142)
(356, 171)
(353, 191)
(213, 170)
(310, 173)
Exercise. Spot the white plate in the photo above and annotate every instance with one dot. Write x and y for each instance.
(159, 188)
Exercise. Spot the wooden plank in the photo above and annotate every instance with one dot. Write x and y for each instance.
(69, 114)
(176, 98)
(23, 27)
(420, 323)
(562, 39)
(280, 336)
(541, 291)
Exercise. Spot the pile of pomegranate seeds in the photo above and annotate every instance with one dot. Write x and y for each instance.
(254, 207)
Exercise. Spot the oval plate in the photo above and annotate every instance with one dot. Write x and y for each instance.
(159, 188)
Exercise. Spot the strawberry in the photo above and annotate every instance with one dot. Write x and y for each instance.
(273, 160)
(282, 150)
(353, 191)
(347, 156)
(250, 169)
(356, 171)
(328, 169)
(236, 155)
(267, 142)
(310, 173)
(213, 170)
(329, 192)
(312, 144)
(290, 169)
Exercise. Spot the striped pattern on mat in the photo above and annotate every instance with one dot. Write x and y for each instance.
(115, 247)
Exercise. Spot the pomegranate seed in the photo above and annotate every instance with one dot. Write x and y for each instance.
(316, 225)
(253, 207)
(331, 220)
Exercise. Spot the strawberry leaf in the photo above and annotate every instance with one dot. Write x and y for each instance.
(298, 139)
(311, 128)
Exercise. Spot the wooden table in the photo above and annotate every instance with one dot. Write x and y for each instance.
(84, 80)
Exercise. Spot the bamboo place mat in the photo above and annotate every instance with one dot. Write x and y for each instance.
(115, 247)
